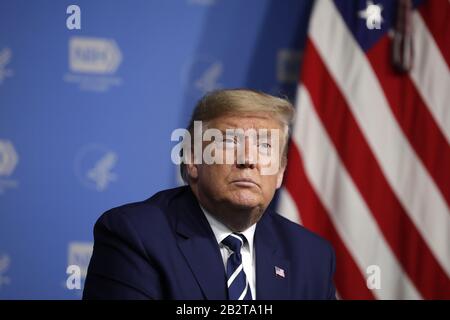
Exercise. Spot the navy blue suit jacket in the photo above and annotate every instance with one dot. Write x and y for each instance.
(164, 248)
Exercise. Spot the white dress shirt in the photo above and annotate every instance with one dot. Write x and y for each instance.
(221, 231)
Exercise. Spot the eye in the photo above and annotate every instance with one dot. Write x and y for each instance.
(264, 148)
(229, 142)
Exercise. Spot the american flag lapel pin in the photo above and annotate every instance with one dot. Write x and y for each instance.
(279, 272)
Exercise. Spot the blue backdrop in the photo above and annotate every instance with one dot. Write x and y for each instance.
(86, 115)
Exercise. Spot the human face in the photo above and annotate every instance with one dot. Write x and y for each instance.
(239, 186)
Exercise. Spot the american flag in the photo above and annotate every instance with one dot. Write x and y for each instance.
(279, 272)
(369, 160)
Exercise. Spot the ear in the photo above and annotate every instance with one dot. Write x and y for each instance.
(280, 176)
(192, 170)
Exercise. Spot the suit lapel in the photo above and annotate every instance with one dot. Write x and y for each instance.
(269, 262)
(199, 246)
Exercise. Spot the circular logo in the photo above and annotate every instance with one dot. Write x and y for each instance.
(94, 165)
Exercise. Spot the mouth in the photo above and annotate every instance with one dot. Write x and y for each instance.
(245, 182)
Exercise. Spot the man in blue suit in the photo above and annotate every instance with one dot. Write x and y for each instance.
(215, 238)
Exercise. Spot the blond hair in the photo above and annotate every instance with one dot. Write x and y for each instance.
(220, 103)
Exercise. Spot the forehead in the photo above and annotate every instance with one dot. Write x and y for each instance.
(246, 121)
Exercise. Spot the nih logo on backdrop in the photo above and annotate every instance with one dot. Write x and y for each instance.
(94, 165)
(5, 262)
(201, 74)
(93, 63)
(5, 59)
(8, 162)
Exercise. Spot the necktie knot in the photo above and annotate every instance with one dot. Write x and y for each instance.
(234, 241)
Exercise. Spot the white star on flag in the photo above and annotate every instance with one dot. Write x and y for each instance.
(372, 14)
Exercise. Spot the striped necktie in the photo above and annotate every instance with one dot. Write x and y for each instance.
(237, 283)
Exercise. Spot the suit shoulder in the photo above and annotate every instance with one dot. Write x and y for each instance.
(297, 234)
(150, 210)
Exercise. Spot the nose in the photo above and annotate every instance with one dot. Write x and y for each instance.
(250, 156)
(246, 165)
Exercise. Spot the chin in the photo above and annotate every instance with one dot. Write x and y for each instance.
(245, 199)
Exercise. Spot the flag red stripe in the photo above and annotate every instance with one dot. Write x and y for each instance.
(436, 14)
(413, 116)
(349, 280)
(405, 241)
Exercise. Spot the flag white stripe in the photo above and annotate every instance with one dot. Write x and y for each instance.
(406, 174)
(287, 207)
(350, 215)
(431, 74)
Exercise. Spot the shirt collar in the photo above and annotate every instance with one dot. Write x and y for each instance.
(221, 231)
